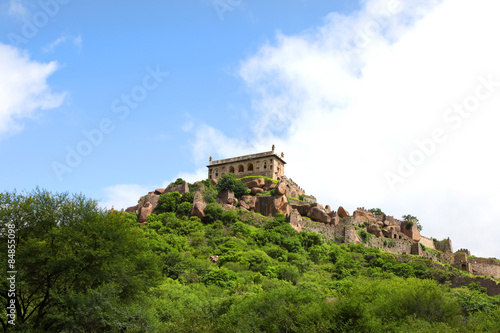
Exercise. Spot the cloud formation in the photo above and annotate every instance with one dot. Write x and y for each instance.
(354, 98)
(23, 89)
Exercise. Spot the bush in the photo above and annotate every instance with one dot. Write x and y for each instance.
(229, 182)
(213, 212)
(221, 277)
(184, 209)
(187, 197)
(168, 202)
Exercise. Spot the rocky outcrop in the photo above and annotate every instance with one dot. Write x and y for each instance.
(248, 202)
(199, 205)
(227, 197)
(364, 216)
(182, 188)
(255, 182)
(280, 188)
(302, 207)
(159, 191)
(256, 190)
(271, 205)
(319, 215)
(198, 210)
(146, 210)
(342, 213)
(374, 230)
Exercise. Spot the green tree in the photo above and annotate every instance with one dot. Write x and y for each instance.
(229, 182)
(414, 219)
(168, 202)
(67, 247)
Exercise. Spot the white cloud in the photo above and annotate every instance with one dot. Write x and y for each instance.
(23, 88)
(16, 8)
(354, 95)
(76, 41)
(123, 195)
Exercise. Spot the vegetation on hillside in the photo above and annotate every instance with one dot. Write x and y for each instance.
(81, 269)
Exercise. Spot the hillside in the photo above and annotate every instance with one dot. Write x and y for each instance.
(203, 258)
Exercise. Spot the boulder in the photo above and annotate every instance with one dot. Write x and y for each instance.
(280, 188)
(244, 205)
(151, 197)
(146, 210)
(198, 209)
(133, 209)
(319, 215)
(256, 190)
(215, 182)
(214, 258)
(269, 185)
(328, 209)
(364, 216)
(182, 188)
(226, 196)
(255, 182)
(271, 205)
(374, 230)
(302, 207)
(341, 212)
(159, 191)
(294, 218)
(248, 200)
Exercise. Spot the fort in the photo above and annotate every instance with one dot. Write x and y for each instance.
(267, 164)
(271, 193)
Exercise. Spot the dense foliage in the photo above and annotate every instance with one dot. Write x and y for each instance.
(81, 269)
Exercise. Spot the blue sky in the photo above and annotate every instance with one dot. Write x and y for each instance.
(378, 103)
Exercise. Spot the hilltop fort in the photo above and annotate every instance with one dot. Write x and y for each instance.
(271, 193)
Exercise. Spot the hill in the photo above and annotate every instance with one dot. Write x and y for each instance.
(183, 262)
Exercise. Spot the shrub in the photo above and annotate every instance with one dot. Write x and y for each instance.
(221, 277)
(184, 209)
(168, 202)
(376, 211)
(229, 182)
(213, 212)
(187, 197)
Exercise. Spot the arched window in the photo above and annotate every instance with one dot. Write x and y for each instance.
(241, 168)
(265, 165)
(250, 167)
(231, 169)
(216, 172)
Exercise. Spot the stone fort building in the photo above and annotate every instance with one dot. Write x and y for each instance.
(267, 164)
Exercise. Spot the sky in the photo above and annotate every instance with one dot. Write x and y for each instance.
(385, 104)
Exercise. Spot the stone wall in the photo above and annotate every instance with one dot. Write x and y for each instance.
(427, 242)
(485, 266)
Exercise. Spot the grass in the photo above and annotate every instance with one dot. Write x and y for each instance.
(275, 181)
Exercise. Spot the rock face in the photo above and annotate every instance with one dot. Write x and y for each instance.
(374, 230)
(271, 205)
(319, 215)
(227, 197)
(198, 209)
(199, 205)
(248, 202)
(159, 191)
(341, 212)
(255, 182)
(302, 207)
(256, 190)
(146, 210)
(280, 189)
(364, 216)
(133, 209)
(182, 188)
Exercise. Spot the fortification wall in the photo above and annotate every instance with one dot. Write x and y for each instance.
(427, 242)
(485, 266)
